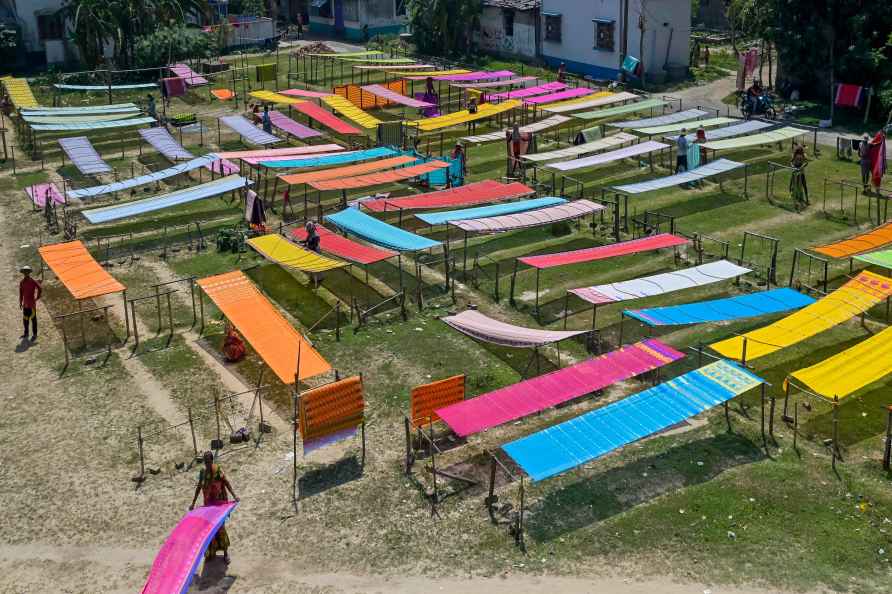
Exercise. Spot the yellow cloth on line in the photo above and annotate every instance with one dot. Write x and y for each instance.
(19, 92)
(485, 110)
(284, 253)
(426, 73)
(847, 372)
(856, 296)
(351, 112)
(277, 98)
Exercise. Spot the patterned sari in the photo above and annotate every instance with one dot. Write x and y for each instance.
(214, 492)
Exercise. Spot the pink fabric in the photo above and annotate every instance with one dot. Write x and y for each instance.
(223, 167)
(39, 192)
(482, 327)
(624, 248)
(394, 97)
(551, 87)
(192, 78)
(560, 96)
(482, 192)
(178, 558)
(289, 126)
(257, 160)
(540, 393)
(479, 75)
(291, 150)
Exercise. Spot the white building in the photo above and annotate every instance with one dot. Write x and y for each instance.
(593, 37)
(355, 19)
(42, 29)
(510, 27)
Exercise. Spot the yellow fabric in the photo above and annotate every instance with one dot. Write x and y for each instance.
(847, 372)
(351, 112)
(271, 97)
(19, 92)
(428, 73)
(485, 110)
(856, 296)
(283, 252)
(577, 100)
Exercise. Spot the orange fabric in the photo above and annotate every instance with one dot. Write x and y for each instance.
(222, 94)
(305, 178)
(331, 408)
(365, 100)
(375, 179)
(427, 398)
(261, 324)
(78, 271)
(879, 237)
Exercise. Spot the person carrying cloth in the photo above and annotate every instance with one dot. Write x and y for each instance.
(213, 486)
(29, 293)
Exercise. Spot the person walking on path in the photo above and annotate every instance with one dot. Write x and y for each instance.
(212, 484)
(29, 293)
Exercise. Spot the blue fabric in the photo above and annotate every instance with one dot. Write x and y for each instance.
(92, 125)
(353, 157)
(481, 212)
(138, 207)
(89, 109)
(594, 434)
(105, 87)
(378, 232)
(141, 180)
(723, 310)
(455, 172)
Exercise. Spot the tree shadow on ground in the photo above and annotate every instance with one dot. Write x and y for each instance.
(616, 490)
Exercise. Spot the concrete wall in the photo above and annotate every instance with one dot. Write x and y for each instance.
(27, 11)
(250, 31)
(663, 19)
(379, 15)
(492, 37)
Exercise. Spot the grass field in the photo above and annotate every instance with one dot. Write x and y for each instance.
(703, 503)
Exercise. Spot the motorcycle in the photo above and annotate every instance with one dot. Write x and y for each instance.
(762, 106)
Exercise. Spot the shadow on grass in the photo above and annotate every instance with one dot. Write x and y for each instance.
(330, 476)
(614, 491)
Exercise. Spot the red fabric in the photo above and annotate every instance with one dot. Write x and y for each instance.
(174, 86)
(878, 158)
(326, 118)
(344, 248)
(848, 95)
(481, 192)
(29, 292)
(634, 246)
(233, 346)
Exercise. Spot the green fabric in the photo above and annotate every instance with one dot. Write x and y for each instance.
(591, 134)
(267, 72)
(599, 114)
(883, 258)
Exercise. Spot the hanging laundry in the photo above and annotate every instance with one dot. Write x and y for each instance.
(267, 72)
(878, 158)
(632, 65)
(848, 95)
(174, 86)
(693, 155)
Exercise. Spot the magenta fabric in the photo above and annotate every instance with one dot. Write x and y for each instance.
(289, 126)
(38, 194)
(174, 86)
(551, 87)
(560, 96)
(545, 391)
(178, 558)
(304, 93)
(623, 248)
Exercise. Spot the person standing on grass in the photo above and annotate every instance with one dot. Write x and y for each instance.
(212, 484)
(681, 152)
(798, 186)
(151, 110)
(864, 160)
(562, 72)
(459, 153)
(267, 123)
(29, 293)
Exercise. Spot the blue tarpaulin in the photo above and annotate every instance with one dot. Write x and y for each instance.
(378, 232)
(723, 310)
(572, 443)
(138, 207)
(441, 218)
(329, 160)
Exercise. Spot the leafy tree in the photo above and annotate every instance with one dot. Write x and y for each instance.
(170, 44)
(443, 27)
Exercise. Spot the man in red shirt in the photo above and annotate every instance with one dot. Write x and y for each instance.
(29, 292)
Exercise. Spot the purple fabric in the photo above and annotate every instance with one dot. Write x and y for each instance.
(395, 97)
(84, 156)
(289, 126)
(472, 76)
(39, 193)
(430, 112)
(192, 78)
(511, 82)
(560, 96)
(476, 325)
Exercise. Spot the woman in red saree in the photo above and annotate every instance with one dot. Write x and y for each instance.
(212, 484)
